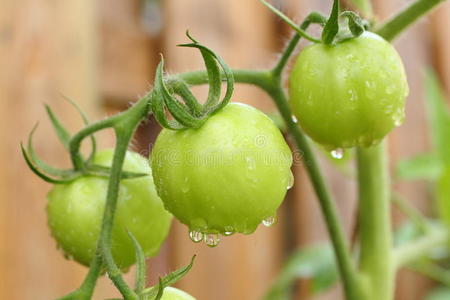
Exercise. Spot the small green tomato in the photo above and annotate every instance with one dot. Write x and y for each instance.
(75, 213)
(171, 293)
(225, 177)
(349, 94)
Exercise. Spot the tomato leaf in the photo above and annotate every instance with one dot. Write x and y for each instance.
(213, 71)
(140, 264)
(168, 280)
(424, 166)
(160, 290)
(62, 132)
(52, 171)
(229, 77)
(316, 262)
(331, 28)
(177, 109)
(86, 122)
(355, 24)
(41, 174)
(102, 171)
(440, 293)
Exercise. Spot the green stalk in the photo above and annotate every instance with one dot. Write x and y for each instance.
(364, 6)
(376, 262)
(352, 284)
(405, 18)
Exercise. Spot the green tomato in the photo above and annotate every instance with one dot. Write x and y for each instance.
(171, 293)
(225, 177)
(349, 94)
(75, 213)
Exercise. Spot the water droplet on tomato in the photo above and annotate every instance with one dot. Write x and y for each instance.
(269, 221)
(212, 239)
(291, 181)
(229, 230)
(337, 153)
(196, 236)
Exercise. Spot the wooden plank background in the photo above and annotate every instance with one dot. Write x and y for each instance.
(103, 54)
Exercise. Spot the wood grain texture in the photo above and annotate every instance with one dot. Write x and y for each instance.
(127, 52)
(46, 47)
(440, 33)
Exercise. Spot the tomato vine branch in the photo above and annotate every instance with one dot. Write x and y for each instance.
(397, 24)
(375, 221)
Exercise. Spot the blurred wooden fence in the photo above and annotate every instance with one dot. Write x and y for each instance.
(103, 54)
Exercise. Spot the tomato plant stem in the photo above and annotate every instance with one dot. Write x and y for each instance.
(376, 263)
(352, 286)
(124, 127)
(405, 18)
(364, 6)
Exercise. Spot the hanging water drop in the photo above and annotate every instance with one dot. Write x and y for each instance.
(291, 181)
(229, 230)
(294, 119)
(212, 239)
(337, 153)
(269, 221)
(196, 236)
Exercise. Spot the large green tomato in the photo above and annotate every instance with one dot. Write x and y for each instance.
(75, 212)
(171, 293)
(228, 176)
(349, 94)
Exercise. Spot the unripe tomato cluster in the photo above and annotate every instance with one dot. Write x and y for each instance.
(232, 174)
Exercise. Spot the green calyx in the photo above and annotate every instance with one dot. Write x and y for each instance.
(333, 31)
(190, 113)
(62, 176)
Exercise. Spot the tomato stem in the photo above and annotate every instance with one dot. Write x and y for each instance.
(397, 24)
(376, 262)
(352, 285)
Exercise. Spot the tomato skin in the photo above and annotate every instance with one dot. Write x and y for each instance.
(75, 212)
(349, 94)
(226, 176)
(171, 293)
